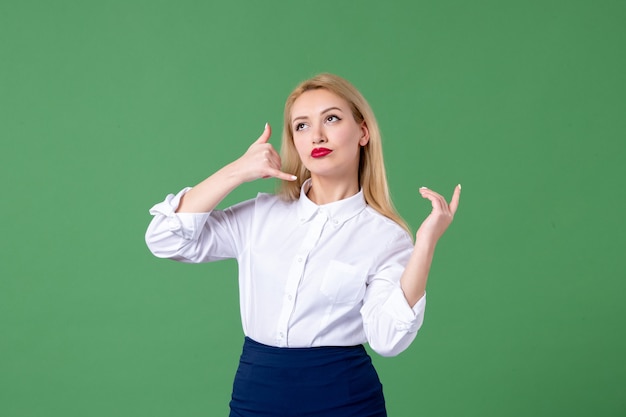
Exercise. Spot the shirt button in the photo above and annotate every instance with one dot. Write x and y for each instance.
(289, 297)
(299, 259)
(336, 221)
(281, 335)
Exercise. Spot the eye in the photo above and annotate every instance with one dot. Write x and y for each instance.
(299, 126)
(332, 118)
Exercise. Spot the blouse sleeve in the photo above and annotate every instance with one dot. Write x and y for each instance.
(390, 323)
(197, 237)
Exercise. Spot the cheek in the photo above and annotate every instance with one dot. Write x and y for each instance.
(300, 146)
(349, 136)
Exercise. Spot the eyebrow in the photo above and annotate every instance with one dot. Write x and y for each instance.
(322, 112)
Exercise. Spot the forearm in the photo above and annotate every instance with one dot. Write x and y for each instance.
(205, 196)
(415, 276)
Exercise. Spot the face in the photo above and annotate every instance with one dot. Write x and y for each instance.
(326, 136)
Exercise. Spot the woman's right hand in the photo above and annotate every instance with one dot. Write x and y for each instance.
(261, 161)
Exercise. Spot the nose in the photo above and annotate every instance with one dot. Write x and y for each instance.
(318, 136)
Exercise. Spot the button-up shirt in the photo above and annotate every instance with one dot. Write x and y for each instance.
(309, 275)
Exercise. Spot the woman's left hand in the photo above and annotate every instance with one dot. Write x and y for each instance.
(440, 217)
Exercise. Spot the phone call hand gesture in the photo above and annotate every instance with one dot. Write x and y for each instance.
(440, 217)
(261, 160)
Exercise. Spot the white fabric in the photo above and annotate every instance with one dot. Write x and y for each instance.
(309, 275)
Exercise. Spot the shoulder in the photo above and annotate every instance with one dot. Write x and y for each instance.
(260, 201)
(387, 242)
(266, 202)
(269, 199)
(385, 227)
(265, 206)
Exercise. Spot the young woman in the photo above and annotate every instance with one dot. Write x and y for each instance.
(325, 265)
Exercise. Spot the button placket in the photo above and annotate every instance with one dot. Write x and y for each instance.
(296, 272)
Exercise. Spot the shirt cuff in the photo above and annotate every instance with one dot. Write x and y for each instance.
(407, 318)
(186, 225)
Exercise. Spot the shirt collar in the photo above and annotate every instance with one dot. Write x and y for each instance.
(337, 212)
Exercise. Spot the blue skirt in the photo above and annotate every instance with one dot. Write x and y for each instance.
(306, 382)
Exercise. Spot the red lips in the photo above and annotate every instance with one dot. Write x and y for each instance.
(320, 152)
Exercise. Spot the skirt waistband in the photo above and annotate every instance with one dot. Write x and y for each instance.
(303, 357)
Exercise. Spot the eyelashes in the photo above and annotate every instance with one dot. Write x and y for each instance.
(331, 118)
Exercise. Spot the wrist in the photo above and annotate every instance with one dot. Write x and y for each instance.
(426, 240)
(234, 174)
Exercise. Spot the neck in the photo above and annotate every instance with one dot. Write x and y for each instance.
(328, 190)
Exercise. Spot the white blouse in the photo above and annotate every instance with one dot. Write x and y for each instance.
(309, 275)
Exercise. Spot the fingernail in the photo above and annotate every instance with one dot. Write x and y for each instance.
(293, 177)
(459, 186)
(423, 188)
(265, 126)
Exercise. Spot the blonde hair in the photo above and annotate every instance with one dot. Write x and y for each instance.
(372, 174)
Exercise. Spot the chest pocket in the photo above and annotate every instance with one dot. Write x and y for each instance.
(342, 283)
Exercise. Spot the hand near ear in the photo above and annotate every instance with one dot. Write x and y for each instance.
(261, 160)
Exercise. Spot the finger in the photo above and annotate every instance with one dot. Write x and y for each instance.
(454, 203)
(438, 202)
(272, 161)
(267, 132)
(282, 175)
(430, 194)
(274, 158)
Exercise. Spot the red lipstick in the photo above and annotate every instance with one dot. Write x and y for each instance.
(320, 152)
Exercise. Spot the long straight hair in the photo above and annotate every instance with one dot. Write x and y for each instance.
(372, 174)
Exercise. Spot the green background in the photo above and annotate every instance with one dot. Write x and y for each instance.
(105, 107)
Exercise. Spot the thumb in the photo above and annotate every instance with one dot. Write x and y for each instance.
(454, 203)
(266, 134)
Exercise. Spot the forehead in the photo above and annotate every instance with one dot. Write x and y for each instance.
(314, 102)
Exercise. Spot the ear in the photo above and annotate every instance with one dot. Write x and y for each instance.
(365, 134)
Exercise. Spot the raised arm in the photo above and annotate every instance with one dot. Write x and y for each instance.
(260, 161)
(415, 275)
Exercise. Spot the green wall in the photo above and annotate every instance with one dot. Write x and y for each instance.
(105, 107)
